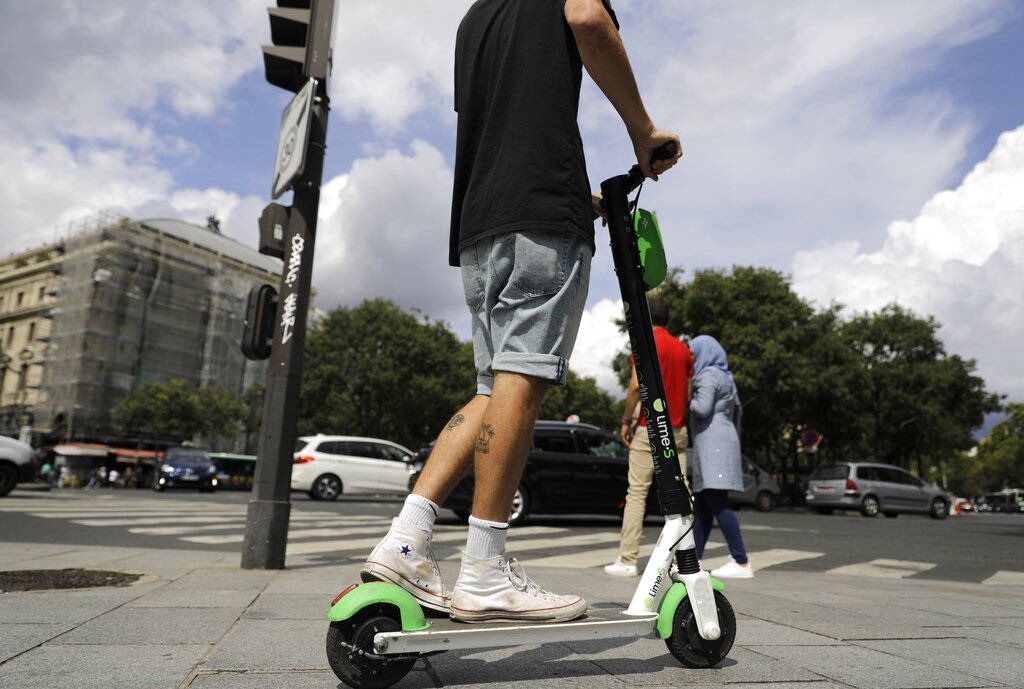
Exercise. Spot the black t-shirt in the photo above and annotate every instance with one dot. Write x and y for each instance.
(519, 160)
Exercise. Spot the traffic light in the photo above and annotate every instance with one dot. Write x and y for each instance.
(300, 31)
(260, 312)
(273, 224)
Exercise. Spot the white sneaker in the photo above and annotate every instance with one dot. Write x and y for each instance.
(404, 558)
(620, 569)
(498, 589)
(733, 570)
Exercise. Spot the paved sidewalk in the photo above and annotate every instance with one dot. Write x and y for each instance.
(199, 621)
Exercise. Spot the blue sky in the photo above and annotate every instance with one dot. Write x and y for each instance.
(873, 150)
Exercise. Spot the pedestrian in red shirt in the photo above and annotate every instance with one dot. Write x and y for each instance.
(677, 371)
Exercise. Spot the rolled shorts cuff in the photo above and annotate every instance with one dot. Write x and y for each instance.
(550, 367)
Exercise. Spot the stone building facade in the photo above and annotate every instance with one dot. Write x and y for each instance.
(85, 320)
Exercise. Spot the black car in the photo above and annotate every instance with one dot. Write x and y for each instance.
(186, 467)
(576, 468)
(572, 468)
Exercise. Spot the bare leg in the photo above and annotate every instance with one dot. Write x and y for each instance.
(452, 453)
(503, 439)
(493, 586)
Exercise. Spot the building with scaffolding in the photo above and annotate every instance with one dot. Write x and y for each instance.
(117, 303)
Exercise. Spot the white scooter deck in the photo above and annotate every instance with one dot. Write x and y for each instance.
(447, 635)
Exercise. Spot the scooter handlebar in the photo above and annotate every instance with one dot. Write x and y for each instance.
(635, 175)
(665, 151)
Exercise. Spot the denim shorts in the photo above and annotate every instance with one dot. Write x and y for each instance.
(526, 292)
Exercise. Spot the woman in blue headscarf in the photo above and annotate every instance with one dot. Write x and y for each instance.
(715, 414)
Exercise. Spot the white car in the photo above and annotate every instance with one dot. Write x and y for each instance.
(326, 466)
(17, 465)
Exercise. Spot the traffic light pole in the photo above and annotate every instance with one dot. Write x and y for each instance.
(294, 23)
(266, 530)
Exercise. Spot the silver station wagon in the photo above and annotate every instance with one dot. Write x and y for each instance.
(873, 488)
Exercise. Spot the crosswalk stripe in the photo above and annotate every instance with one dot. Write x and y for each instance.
(761, 559)
(583, 560)
(883, 569)
(516, 545)
(240, 520)
(126, 514)
(326, 531)
(182, 530)
(363, 546)
(1005, 578)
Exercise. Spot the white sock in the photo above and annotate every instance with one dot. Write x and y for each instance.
(486, 539)
(418, 511)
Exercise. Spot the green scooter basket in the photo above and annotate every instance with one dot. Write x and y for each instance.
(651, 248)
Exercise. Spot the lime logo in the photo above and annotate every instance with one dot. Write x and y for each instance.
(648, 603)
(659, 405)
(625, 307)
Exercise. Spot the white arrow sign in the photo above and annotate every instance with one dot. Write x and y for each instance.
(292, 139)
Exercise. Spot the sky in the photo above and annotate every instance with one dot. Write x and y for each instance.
(870, 150)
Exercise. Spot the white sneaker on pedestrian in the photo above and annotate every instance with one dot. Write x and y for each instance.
(498, 589)
(404, 558)
(620, 569)
(733, 570)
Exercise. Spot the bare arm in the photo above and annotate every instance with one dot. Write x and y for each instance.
(606, 61)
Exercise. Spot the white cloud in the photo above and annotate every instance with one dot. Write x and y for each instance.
(598, 342)
(803, 123)
(383, 232)
(797, 121)
(960, 260)
(393, 60)
(86, 90)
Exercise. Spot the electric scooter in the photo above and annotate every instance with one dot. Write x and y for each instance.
(378, 630)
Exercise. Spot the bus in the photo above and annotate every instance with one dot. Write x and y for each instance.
(1009, 500)
(234, 472)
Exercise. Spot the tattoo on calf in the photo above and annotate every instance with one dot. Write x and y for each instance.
(483, 441)
(456, 421)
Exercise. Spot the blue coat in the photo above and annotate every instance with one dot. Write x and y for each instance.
(715, 414)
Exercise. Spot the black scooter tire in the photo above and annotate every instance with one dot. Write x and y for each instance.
(350, 650)
(689, 647)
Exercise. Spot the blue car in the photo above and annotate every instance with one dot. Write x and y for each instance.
(186, 467)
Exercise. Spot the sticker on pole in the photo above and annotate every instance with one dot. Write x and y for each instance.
(652, 251)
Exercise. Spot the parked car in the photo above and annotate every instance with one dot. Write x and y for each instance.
(760, 490)
(577, 468)
(186, 467)
(326, 466)
(17, 464)
(572, 468)
(873, 488)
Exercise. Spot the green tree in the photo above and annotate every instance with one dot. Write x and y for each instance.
(178, 411)
(917, 405)
(1000, 457)
(876, 386)
(223, 414)
(786, 360)
(583, 397)
(376, 370)
(160, 409)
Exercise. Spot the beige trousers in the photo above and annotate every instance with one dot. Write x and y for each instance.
(641, 475)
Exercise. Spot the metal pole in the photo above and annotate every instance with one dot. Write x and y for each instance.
(266, 529)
